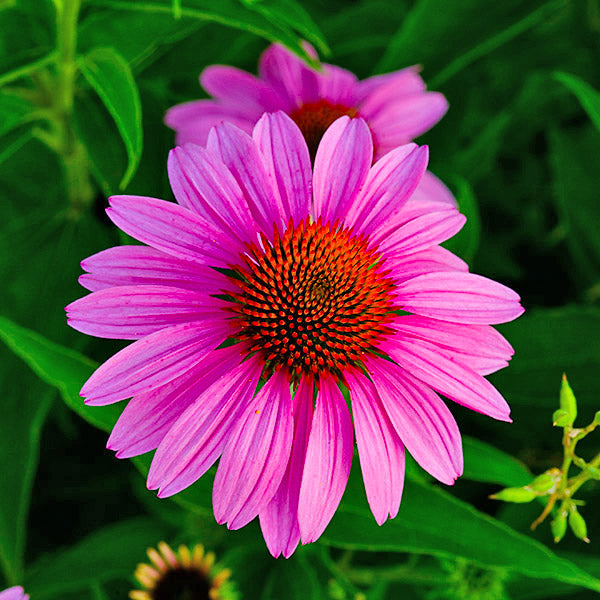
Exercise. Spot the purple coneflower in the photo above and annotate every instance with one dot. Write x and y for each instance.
(14, 593)
(268, 293)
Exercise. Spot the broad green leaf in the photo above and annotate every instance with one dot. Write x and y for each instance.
(225, 12)
(447, 37)
(293, 579)
(547, 343)
(575, 159)
(110, 553)
(110, 76)
(466, 241)
(585, 93)
(24, 410)
(433, 522)
(486, 463)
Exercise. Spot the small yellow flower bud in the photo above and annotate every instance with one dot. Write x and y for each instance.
(577, 524)
(559, 527)
(542, 483)
(567, 400)
(514, 494)
(560, 418)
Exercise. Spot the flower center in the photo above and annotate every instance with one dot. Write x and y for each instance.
(313, 119)
(315, 300)
(182, 584)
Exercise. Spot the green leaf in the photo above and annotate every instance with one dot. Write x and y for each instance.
(485, 463)
(110, 76)
(585, 93)
(548, 343)
(14, 111)
(433, 522)
(225, 12)
(466, 241)
(109, 553)
(292, 579)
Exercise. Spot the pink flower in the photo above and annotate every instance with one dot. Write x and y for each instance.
(271, 272)
(14, 593)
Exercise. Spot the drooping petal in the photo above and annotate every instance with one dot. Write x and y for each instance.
(153, 361)
(193, 120)
(142, 265)
(279, 519)
(391, 85)
(289, 76)
(422, 421)
(380, 450)
(328, 461)
(459, 298)
(449, 377)
(240, 154)
(433, 189)
(198, 437)
(256, 455)
(203, 184)
(133, 311)
(342, 164)
(287, 163)
(237, 88)
(149, 416)
(389, 184)
(172, 229)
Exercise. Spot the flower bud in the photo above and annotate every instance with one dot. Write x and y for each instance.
(577, 524)
(567, 400)
(596, 420)
(560, 418)
(542, 483)
(559, 526)
(515, 494)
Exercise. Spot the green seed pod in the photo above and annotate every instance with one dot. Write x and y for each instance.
(577, 524)
(560, 418)
(567, 400)
(514, 494)
(559, 526)
(542, 483)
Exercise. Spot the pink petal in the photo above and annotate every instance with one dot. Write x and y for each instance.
(423, 422)
(432, 189)
(328, 461)
(279, 519)
(390, 183)
(240, 154)
(131, 312)
(199, 436)
(287, 163)
(148, 416)
(432, 260)
(141, 265)
(460, 298)
(456, 381)
(380, 450)
(14, 593)
(203, 184)
(154, 361)
(172, 229)
(391, 85)
(237, 88)
(337, 85)
(342, 164)
(256, 455)
(289, 76)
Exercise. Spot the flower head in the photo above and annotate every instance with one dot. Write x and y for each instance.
(269, 285)
(14, 593)
(187, 573)
(396, 106)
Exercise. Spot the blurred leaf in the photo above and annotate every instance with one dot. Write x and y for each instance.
(466, 241)
(575, 159)
(225, 12)
(585, 93)
(432, 28)
(13, 143)
(292, 579)
(548, 342)
(293, 14)
(486, 463)
(433, 522)
(110, 76)
(110, 553)
(24, 410)
(14, 111)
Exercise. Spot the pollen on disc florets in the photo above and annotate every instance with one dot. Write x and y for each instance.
(315, 300)
(313, 119)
